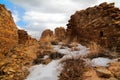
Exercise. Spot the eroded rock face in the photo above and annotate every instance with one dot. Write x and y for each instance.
(100, 24)
(47, 33)
(60, 33)
(8, 30)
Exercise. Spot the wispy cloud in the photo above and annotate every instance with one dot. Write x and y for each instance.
(16, 16)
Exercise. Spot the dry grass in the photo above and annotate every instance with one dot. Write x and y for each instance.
(95, 50)
(73, 69)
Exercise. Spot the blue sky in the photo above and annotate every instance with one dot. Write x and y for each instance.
(34, 16)
(16, 10)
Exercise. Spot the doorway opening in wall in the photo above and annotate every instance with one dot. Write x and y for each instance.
(101, 34)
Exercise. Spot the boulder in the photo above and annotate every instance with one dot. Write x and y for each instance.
(103, 72)
(115, 69)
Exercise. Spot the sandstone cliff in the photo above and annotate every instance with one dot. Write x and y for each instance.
(100, 24)
(8, 30)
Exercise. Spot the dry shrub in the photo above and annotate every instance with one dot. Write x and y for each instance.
(73, 69)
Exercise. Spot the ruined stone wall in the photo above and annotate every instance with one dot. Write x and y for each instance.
(60, 33)
(22, 36)
(8, 30)
(47, 33)
(100, 24)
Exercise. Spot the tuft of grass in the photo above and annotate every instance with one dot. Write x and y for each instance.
(95, 50)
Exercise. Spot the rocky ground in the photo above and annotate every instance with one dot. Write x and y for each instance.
(74, 64)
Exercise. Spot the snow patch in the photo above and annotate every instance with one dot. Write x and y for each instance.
(45, 72)
(100, 61)
(83, 51)
(58, 49)
(45, 57)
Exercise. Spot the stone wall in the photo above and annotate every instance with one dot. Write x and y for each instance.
(47, 33)
(60, 33)
(22, 36)
(100, 24)
(8, 30)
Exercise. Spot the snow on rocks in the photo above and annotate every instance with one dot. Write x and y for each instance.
(45, 72)
(45, 57)
(81, 50)
(52, 70)
(58, 49)
(100, 61)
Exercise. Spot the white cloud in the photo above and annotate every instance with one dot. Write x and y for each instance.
(42, 14)
(40, 21)
(44, 17)
(16, 16)
(19, 27)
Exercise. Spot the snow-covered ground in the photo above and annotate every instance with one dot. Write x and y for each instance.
(52, 70)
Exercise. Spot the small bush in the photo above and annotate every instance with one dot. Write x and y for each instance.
(73, 69)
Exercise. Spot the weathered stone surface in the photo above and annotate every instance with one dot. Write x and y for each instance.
(91, 75)
(103, 72)
(60, 33)
(46, 38)
(17, 48)
(22, 36)
(15, 65)
(115, 69)
(100, 24)
(8, 30)
(47, 33)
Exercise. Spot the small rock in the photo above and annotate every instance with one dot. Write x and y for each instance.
(112, 78)
(103, 72)
(115, 69)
